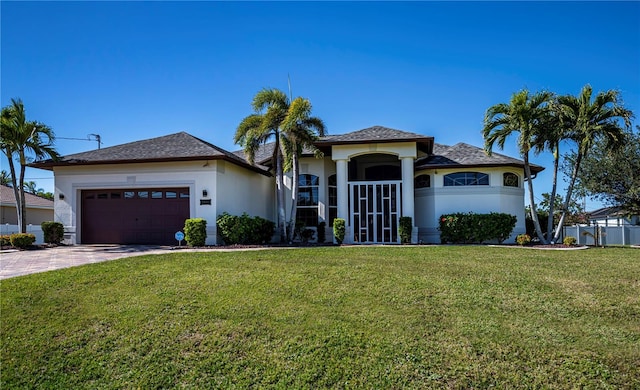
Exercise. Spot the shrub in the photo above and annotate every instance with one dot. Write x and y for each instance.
(339, 230)
(321, 232)
(466, 228)
(244, 229)
(22, 240)
(53, 232)
(523, 239)
(5, 240)
(195, 231)
(569, 241)
(405, 228)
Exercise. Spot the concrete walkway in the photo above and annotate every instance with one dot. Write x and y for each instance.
(16, 263)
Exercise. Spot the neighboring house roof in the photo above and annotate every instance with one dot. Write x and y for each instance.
(7, 198)
(465, 155)
(377, 134)
(174, 147)
(615, 211)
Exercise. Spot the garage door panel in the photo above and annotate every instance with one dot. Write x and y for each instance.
(134, 216)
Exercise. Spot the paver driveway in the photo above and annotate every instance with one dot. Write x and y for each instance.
(16, 263)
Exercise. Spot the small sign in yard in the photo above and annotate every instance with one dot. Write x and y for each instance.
(179, 236)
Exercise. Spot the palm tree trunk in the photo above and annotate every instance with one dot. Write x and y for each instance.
(534, 213)
(21, 209)
(554, 187)
(294, 193)
(567, 200)
(280, 193)
(16, 191)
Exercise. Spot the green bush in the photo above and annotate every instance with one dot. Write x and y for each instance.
(22, 240)
(195, 231)
(468, 228)
(569, 241)
(321, 232)
(244, 229)
(339, 230)
(53, 232)
(5, 240)
(523, 239)
(405, 229)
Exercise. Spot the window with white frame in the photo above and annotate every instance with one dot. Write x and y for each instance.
(466, 179)
(307, 212)
(333, 198)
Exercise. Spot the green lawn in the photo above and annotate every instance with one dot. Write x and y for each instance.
(344, 317)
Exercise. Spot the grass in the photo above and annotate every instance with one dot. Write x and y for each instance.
(340, 317)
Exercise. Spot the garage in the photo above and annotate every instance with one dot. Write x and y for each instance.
(133, 216)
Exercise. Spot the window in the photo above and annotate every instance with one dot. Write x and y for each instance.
(422, 181)
(156, 194)
(308, 200)
(510, 180)
(466, 179)
(333, 198)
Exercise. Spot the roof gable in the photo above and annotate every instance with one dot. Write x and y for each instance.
(377, 134)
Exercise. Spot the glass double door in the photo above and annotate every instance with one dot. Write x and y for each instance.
(375, 210)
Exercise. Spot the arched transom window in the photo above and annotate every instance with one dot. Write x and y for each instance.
(466, 179)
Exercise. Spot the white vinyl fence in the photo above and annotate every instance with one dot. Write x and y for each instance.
(36, 230)
(604, 235)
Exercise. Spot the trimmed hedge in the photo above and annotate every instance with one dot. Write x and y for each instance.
(470, 228)
(244, 229)
(339, 230)
(405, 228)
(5, 240)
(53, 232)
(22, 240)
(195, 231)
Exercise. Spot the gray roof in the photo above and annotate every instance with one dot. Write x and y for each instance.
(465, 155)
(174, 147)
(378, 134)
(8, 198)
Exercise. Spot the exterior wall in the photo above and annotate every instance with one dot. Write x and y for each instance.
(196, 175)
(240, 190)
(35, 216)
(436, 200)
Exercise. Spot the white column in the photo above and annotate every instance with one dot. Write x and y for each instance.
(342, 184)
(408, 197)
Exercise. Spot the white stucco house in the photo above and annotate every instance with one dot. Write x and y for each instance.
(142, 192)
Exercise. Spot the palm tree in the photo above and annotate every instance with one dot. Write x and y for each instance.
(270, 106)
(31, 187)
(526, 115)
(300, 131)
(548, 137)
(587, 122)
(18, 139)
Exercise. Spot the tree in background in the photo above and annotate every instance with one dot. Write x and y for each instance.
(22, 141)
(611, 176)
(5, 178)
(526, 115)
(589, 122)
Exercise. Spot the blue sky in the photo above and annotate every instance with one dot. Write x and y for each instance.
(135, 70)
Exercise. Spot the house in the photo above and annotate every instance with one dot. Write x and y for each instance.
(612, 216)
(141, 192)
(38, 209)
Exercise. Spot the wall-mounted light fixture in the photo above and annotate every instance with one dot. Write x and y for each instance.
(204, 193)
(60, 196)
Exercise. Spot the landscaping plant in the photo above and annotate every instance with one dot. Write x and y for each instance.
(405, 228)
(523, 239)
(569, 241)
(469, 228)
(53, 232)
(195, 231)
(22, 240)
(339, 230)
(244, 229)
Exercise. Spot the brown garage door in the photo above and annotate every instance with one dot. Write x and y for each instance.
(133, 216)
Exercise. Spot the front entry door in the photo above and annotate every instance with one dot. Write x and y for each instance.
(375, 209)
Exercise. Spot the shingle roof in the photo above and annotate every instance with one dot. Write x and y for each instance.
(465, 155)
(7, 198)
(606, 212)
(378, 134)
(174, 147)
